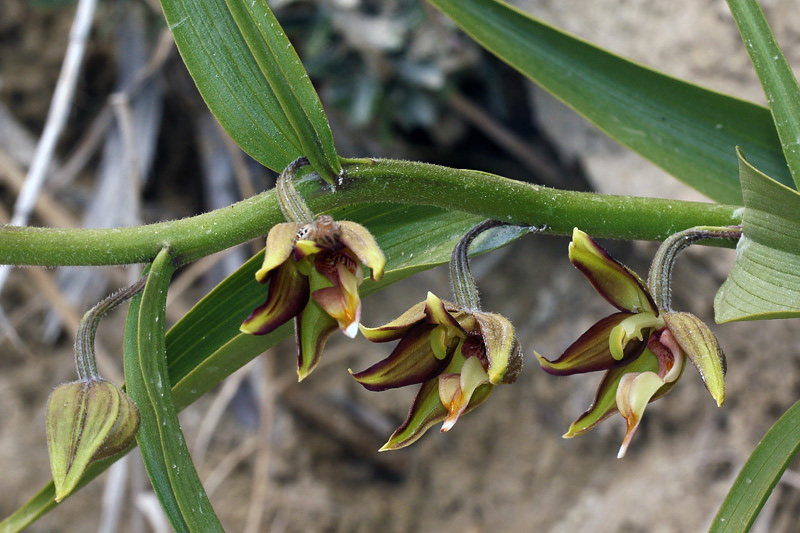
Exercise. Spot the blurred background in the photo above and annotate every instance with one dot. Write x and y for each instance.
(397, 80)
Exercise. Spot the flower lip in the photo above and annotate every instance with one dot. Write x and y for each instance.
(456, 390)
(634, 392)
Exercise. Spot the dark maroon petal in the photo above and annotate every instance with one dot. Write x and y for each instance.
(398, 327)
(288, 294)
(411, 362)
(437, 312)
(426, 410)
(591, 353)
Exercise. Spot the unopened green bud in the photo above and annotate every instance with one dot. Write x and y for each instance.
(87, 420)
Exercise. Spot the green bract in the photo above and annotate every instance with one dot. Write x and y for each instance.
(86, 420)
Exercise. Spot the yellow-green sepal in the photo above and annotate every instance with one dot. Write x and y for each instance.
(502, 349)
(619, 285)
(397, 327)
(426, 411)
(312, 328)
(280, 242)
(361, 242)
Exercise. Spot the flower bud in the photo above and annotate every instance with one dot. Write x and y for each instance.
(87, 420)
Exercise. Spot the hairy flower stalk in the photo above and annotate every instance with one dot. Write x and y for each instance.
(659, 278)
(643, 347)
(314, 269)
(454, 351)
(91, 418)
(292, 206)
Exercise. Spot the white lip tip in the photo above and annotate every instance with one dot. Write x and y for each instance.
(447, 425)
(351, 330)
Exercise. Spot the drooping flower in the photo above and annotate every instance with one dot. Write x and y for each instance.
(457, 356)
(316, 263)
(641, 347)
(87, 420)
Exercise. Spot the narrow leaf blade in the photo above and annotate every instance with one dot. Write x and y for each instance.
(777, 79)
(760, 474)
(148, 436)
(164, 435)
(240, 94)
(689, 131)
(289, 82)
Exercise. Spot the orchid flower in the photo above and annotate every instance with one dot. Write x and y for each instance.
(642, 347)
(457, 356)
(308, 263)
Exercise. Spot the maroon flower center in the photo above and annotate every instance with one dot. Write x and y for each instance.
(474, 347)
(326, 263)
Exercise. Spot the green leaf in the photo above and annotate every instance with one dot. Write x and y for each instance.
(289, 82)
(252, 80)
(160, 438)
(777, 79)
(760, 474)
(147, 438)
(205, 346)
(765, 279)
(689, 131)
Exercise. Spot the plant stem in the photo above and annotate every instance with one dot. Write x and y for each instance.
(369, 181)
